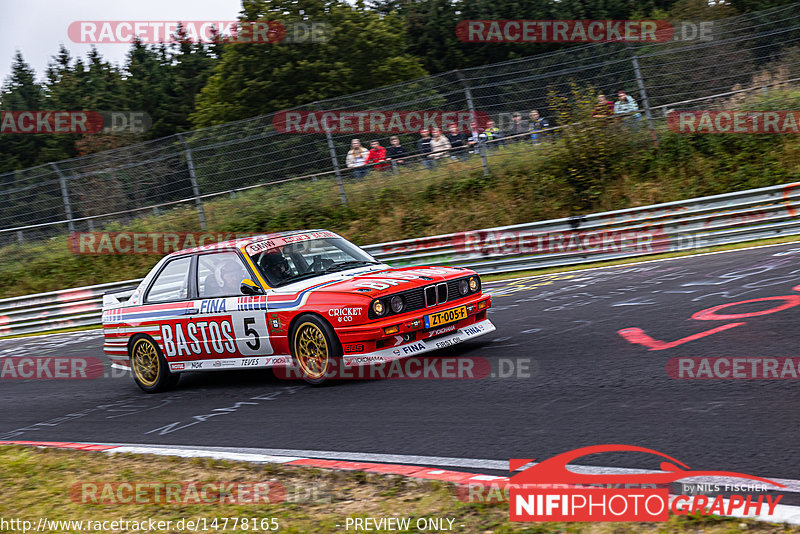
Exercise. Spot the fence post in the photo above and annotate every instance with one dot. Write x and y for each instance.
(201, 214)
(336, 170)
(471, 108)
(335, 161)
(645, 102)
(19, 237)
(65, 197)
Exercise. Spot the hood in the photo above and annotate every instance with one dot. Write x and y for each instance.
(377, 280)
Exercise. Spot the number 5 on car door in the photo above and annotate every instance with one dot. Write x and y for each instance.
(252, 336)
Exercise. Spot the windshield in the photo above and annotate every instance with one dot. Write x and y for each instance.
(298, 257)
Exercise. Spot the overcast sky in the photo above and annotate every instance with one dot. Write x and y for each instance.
(38, 27)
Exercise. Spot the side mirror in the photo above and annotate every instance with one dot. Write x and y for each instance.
(249, 287)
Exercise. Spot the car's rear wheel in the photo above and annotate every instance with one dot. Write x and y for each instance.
(315, 349)
(149, 367)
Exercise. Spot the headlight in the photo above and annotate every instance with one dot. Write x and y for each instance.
(463, 286)
(378, 307)
(396, 303)
(473, 283)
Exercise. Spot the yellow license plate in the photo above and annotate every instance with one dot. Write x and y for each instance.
(447, 316)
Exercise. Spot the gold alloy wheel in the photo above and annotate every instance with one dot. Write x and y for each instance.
(144, 361)
(311, 350)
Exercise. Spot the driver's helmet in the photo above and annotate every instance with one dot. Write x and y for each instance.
(229, 275)
(274, 265)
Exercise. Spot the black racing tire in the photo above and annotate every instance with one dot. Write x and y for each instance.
(149, 367)
(316, 350)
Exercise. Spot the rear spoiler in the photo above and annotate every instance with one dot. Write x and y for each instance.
(118, 297)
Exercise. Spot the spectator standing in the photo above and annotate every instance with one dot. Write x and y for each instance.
(377, 154)
(492, 133)
(424, 147)
(536, 124)
(604, 108)
(474, 139)
(518, 127)
(395, 151)
(458, 142)
(357, 159)
(439, 145)
(626, 104)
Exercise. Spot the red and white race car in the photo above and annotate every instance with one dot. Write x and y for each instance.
(307, 300)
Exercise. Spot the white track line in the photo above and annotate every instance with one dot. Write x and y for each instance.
(688, 256)
(288, 455)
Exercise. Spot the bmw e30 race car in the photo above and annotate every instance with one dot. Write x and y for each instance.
(307, 300)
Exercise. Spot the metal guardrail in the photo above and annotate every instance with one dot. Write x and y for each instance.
(687, 224)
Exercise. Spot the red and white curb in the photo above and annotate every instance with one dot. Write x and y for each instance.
(412, 471)
(782, 514)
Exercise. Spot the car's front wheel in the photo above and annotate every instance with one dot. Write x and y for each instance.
(149, 367)
(315, 349)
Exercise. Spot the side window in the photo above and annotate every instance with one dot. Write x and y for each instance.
(172, 282)
(220, 275)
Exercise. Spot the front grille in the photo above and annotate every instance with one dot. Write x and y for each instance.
(452, 288)
(415, 300)
(429, 296)
(441, 290)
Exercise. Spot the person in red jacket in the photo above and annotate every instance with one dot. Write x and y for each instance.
(377, 154)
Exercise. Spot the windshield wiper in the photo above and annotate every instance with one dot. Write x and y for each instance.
(297, 278)
(332, 269)
(348, 265)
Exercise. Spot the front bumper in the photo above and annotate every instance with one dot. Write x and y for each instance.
(420, 346)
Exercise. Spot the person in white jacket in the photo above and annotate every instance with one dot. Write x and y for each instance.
(357, 158)
(440, 145)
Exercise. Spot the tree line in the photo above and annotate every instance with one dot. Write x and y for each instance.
(184, 85)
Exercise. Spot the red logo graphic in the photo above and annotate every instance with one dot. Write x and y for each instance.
(533, 497)
(638, 336)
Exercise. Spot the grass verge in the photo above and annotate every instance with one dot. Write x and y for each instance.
(36, 483)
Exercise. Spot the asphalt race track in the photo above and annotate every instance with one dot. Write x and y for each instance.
(576, 380)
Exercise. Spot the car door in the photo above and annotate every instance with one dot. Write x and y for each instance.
(233, 326)
(167, 309)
